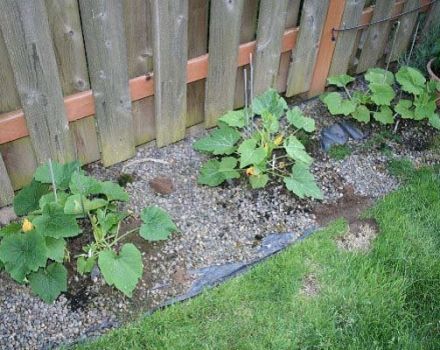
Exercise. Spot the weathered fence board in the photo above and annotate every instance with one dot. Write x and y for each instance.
(224, 36)
(65, 26)
(197, 46)
(170, 31)
(433, 17)
(306, 50)
(139, 39)
(377, 36)
(6, 191)
(292, 15)
(247, 33)
(269, 37)
(103, 29)
(26, 33)
(405, 29)
(345, 41)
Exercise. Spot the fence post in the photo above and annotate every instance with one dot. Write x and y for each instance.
(224, 36)
(6, 191)
(326, 47)
(270, 31)
(25, 29)
(306, 50)
(432, 17)
(103, 30)
(170, 42)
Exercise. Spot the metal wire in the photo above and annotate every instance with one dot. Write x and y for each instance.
(362, 26)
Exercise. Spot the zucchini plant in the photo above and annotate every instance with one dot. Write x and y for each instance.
(251, 142)
(34, 250)
(379, 101)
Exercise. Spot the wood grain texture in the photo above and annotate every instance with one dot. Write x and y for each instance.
(292, 15)
(376, 37)
(304, 55)
(103, 30)
(170, 42)
(139, 39)
(6, 191)
(406, 29)
(224, 37)
(433, 17)
(197, 46)
(271, 23)
(247, 33)
(9, 99)
(25, 29)
(65, 27)
(345, 41)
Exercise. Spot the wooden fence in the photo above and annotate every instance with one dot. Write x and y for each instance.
(91, 80)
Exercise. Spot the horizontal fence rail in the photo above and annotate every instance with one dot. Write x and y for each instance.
(111, 102)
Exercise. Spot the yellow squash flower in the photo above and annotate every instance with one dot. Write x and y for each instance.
(27, 225)
(250, 171)
(278, 140)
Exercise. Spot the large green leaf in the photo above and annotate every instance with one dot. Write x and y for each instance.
(235, 119)
(341, 80)
(384, 115)
(214, 172)
(337, 105)
(55, 223)
(48, 283)
(112, 191)
(434, 120)
(411, 80)
(122, 270)
(157, 224)
(50, 198)
(425, 106)
(220, 141)
(83, 184)
(258, 181)
(55, 248)
(74, 204)
(362, 114)
(10, 229)
(302, 183)
(62, 173)
(382, 94)
(27, 200)
(250, 153)
(270, 102)
(299, 121)
(23, 253)
(379, 76)
(295, 150)
(404, 109)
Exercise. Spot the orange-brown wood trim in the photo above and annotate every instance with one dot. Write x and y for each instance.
(81, 105)
(326, 47)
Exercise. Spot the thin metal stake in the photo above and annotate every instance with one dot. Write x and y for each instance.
(54, 185)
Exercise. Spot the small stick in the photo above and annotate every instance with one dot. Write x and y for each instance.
(413, 43)
(252, 77)
(54, 185)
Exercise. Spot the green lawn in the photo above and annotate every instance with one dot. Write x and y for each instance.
(387, 298)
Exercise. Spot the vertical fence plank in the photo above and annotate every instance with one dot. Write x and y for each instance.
(65, 26)
(271, 22)
(305, 53)
(25, 28)
(247, 33)
(345, 41)
(103, 30)
(406, 28)
(326, 48)
(224, 36)
(377, 36)
(292, 15)
(432, 19)
(197, 46)
(6, 191)
(170, 32)
(138, 34)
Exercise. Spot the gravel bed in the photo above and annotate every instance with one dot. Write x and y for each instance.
(216, 226)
